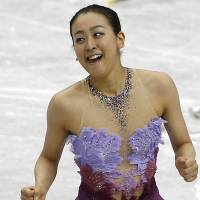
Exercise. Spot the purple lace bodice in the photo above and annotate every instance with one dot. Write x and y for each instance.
(97, 155)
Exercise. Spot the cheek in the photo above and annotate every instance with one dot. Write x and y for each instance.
(78, 51)
(108, 46)
(112, 47)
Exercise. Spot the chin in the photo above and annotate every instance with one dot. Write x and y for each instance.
(95, 70)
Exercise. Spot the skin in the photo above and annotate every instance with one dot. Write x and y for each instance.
(63, 113)
(91, 37)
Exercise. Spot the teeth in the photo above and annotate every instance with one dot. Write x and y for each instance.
(94, 57)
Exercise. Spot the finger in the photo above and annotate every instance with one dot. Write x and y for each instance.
(190, 162)
(190, 170)
(190, 179)
(192, 174)
(27, 191)
(26, 198)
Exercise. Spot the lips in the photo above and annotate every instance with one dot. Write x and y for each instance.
(94, 58)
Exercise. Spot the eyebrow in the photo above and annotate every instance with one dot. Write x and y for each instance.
(92, 28)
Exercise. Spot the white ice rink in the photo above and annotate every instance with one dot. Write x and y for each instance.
(37, 60)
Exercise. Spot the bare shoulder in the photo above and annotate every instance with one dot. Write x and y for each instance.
(65, 105)
(160, 87)
(67, 96)
(156, 81)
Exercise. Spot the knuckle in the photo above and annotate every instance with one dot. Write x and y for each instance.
(184, 172)
(188, 179)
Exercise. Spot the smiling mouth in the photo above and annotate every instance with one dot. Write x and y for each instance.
(94, 58)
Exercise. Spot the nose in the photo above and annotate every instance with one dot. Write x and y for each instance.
(90, 44)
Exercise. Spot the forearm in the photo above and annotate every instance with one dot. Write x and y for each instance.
(45, 173)
(186, 150)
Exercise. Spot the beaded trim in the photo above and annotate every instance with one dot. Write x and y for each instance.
(118, 103)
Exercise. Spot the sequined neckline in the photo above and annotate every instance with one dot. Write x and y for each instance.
(124, 91)
(116, 104)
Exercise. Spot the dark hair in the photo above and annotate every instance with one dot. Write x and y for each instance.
(110, 15)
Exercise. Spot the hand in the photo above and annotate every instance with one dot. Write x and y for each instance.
(188, 168)
(32, 193)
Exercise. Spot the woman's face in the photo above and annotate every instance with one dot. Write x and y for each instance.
(95, 44)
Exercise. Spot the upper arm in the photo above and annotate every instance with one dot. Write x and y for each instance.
(56, 133)
(176, 126)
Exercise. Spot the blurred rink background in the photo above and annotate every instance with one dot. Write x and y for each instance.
(37, 60)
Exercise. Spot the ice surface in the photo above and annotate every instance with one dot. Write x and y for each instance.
(37, 59)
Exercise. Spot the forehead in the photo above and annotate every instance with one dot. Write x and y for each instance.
(87, 20)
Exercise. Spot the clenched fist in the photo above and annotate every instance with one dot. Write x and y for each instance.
(188, 168)
(32, 193)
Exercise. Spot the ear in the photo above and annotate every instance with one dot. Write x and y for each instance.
(120, 39)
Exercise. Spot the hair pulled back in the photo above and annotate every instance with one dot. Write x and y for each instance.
(110, 15)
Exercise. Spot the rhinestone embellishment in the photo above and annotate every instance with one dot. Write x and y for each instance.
(118, 103)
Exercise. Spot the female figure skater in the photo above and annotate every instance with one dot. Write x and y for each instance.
(112, 119)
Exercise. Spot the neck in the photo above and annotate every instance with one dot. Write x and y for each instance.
(112, 84)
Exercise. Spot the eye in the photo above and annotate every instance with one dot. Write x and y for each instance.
(79, 40)
(98, 34)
